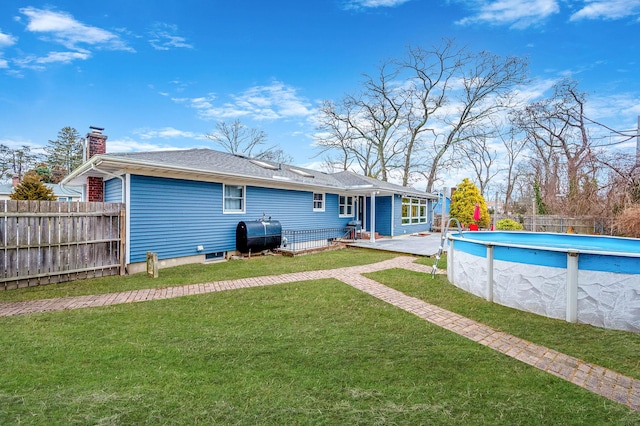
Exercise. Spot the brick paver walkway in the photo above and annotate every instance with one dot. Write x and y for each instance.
(610, 384)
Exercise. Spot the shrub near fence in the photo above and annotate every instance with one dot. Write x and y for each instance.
(45, 242)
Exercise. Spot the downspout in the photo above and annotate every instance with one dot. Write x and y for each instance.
(64, 188)
(122, 196)
(124, 245)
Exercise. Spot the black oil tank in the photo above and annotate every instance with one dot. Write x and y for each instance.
(258, 235)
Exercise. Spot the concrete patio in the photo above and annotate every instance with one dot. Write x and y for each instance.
(418, 245)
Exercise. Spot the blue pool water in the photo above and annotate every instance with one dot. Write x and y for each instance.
(560, 242)
(597, 253)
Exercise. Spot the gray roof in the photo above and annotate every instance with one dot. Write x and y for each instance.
(204, 159)
(355, 180)
(207, 162)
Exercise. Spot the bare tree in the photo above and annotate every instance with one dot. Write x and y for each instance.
(622, 185)
(486, 84)
(5, 161)
(513, 148)
(366, 125)
(22, 160)
(236, 138)
(482, 158)
(428, 83)
(338, 142)
(415, 110)
(557, 130)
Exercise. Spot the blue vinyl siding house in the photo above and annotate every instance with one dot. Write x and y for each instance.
(185, 205)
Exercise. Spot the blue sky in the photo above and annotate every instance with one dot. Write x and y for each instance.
(160, 74)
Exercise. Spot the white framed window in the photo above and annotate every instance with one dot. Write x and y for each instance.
(345, 206)
(414, 211)
(234, 199)
(318, 202)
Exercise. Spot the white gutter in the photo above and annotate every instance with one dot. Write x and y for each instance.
(93, 167)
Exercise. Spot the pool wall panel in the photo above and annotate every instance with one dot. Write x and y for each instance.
(609, 300)
(535, 280)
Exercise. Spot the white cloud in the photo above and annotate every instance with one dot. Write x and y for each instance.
(607, 9)
(164, 37)
(4, 63)
(6, 39)
(615, 109)
(64, 57)
(518, 14)
(131, 145)
(535, 90)
(167, 133)
(273, 102)
(64, 29)
(363, 4)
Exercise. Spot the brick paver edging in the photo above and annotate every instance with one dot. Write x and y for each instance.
(610, 384)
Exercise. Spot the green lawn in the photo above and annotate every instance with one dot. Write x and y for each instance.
(201, 273)
(318, 352)
(617, 350)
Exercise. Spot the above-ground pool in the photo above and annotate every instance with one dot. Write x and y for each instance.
(580, 278)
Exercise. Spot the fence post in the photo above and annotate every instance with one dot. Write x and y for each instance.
(123, 239)
(152, 264)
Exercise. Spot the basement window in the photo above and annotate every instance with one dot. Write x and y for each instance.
(219, 255)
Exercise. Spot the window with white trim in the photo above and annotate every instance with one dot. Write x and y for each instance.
(234, 199)
(414, 211)
(345, 206)
(318, 202)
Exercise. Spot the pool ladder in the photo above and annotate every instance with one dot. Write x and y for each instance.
(443, 241)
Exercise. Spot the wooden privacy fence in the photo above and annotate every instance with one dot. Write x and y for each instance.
(46, 242)
(552, 223)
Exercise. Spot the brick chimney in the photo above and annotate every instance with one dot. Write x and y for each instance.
(15, 180)
(96, 144)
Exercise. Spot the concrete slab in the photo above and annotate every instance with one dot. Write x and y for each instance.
(419, 245)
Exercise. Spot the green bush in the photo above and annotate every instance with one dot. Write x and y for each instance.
(508, 225)
(463, 204)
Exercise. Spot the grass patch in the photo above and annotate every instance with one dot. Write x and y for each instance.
(318, 352)
(429, 261)
(617, 350)
(200, 273)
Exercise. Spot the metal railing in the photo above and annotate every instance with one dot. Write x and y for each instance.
(295, 241)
